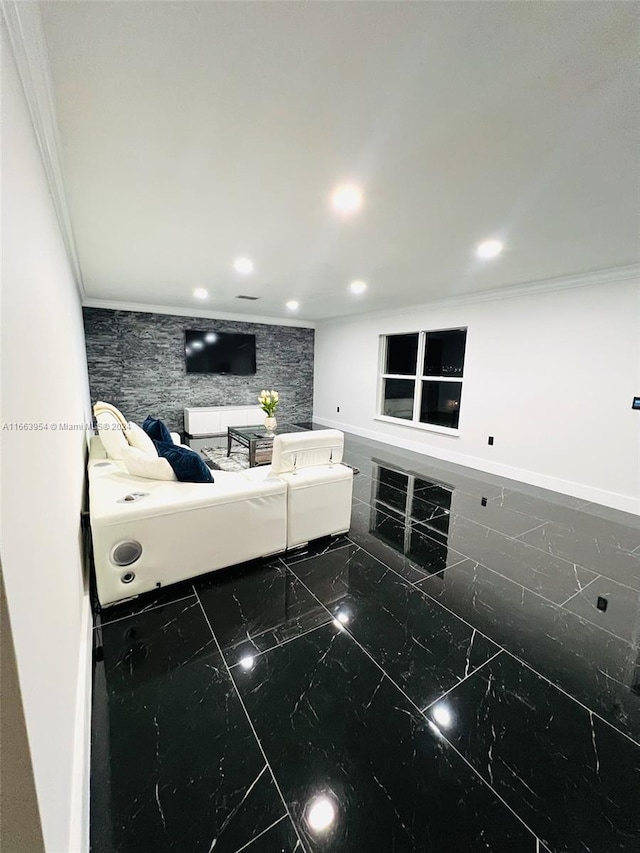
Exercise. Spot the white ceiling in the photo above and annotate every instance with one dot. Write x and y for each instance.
(194, 132)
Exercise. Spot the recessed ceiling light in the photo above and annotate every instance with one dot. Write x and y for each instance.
(489, 249)
(358, 287)
(292, 305)
(243, 265)
(200, 293)
(346, 199)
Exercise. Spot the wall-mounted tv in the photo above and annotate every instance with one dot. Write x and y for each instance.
(220, 352)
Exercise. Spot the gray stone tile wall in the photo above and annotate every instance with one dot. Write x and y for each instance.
(136, 362)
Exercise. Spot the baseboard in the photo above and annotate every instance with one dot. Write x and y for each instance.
(626, 503)
(79, 828)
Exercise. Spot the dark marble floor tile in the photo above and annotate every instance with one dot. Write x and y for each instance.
(365, 760)
(406, 548)
(253, 609)
(457, 482)
(552, 577)
(597, 668)
(175, 765)
(311, 549)
(580, 545)
(142, 603)
(489, 514)
(618, 613)
(539, 503)
(421, 646)
(569, 776)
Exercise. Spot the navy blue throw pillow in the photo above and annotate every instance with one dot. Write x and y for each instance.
(156, 430)
(187, 465)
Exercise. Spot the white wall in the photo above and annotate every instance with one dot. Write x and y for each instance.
(551, 375)
(44, 380)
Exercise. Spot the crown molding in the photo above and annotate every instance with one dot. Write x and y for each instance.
(26, 36)
(109, 305)
(612, 275)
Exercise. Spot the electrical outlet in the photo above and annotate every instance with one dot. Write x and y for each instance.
(337, 408)
(602, 603)
(490, 439)
(483, 502)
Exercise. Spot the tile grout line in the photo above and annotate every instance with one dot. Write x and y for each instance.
(510, 538)
(260, 834)
(319, 554)
(249, 720)
(510, 580)
(462, 680)
(343, 629)
(484, 782)
(531, 529)
(283, 643)
(450, 512)
(140, 612)
(535, 672)
(413, 704)
(537, 594)
(582, 590)
(528, 545)
(496, 643)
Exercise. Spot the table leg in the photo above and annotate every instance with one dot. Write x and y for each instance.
(252, 454)
(228, 443)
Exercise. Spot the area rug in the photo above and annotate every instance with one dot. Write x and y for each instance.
(216, 457)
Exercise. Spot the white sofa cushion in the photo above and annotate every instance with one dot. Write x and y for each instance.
(138, 438)
(141, 464)
(111, 429)
(298, 450)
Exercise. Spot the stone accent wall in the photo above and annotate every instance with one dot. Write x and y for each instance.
(136, 362)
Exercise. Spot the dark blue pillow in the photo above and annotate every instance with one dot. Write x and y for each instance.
(156, 430)
(187, 465)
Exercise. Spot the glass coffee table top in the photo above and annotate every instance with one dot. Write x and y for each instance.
(257, 431)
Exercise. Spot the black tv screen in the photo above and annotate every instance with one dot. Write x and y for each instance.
(220, 352)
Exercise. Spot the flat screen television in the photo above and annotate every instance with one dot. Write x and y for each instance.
(220, 352)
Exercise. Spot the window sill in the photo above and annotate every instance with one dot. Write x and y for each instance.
(455, 433)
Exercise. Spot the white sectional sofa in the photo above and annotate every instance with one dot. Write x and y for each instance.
(151, 533)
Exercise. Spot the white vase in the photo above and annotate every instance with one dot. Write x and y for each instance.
(270, 424)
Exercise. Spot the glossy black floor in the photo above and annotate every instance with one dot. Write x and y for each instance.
(442, 679)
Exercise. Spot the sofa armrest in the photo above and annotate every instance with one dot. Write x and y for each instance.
(175, 437)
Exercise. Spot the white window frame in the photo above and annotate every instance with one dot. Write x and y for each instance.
(418, 378)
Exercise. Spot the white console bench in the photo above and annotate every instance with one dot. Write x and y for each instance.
(209, 421)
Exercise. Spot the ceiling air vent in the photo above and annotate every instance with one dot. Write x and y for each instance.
(250, 298)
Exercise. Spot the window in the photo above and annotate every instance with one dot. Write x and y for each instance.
(421, 382)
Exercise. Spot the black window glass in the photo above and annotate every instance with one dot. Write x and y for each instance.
(440, 403)
(398, 398)
(402, 354)
(444, 353)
